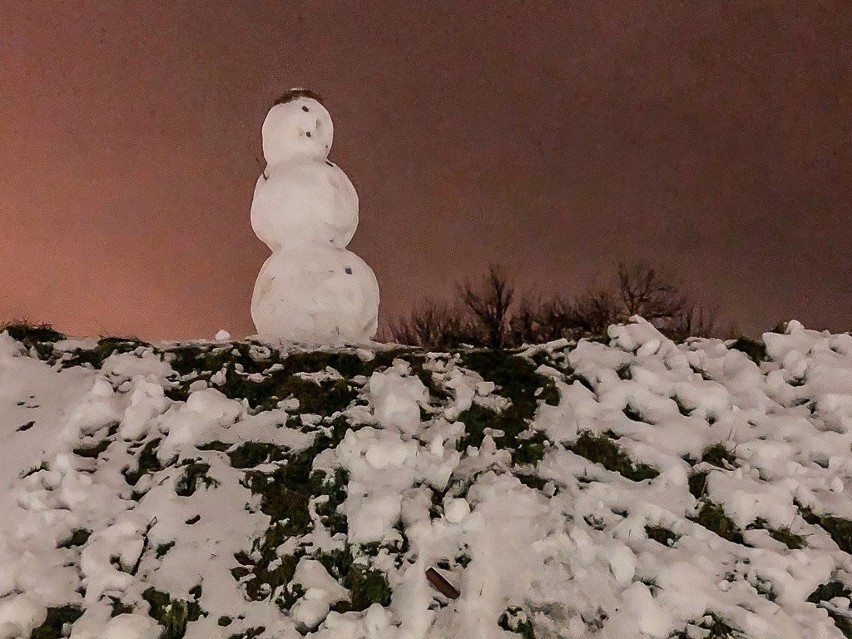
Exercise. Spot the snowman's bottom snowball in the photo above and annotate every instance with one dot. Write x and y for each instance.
(321, 295)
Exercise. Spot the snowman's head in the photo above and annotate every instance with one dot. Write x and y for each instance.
(297, 125)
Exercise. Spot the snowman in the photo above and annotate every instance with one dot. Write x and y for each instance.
(311, 289)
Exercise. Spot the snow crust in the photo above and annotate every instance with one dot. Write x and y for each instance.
(567, 542)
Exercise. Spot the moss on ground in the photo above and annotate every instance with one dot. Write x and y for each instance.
(601, 449)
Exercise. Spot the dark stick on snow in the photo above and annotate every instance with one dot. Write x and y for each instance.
(442, 585)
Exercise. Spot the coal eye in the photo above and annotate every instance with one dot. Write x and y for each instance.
(308, 133)
(305, 109)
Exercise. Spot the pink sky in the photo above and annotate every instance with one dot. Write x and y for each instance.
(555, 138)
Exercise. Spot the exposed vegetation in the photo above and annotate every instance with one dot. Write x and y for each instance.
(838, 528)
(52, 628)
(172, 614)
(662, 535)
(602, 450)
(712, 516)
(516, 620)
(827, 592)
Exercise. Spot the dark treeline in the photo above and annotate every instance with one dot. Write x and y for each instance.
(489, 312)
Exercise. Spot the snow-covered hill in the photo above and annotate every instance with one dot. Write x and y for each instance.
(224, 489)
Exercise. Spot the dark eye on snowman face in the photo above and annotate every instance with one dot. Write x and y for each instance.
(305, 109)
(308, 133)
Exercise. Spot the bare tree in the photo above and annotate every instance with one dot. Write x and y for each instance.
(592, 312)
(487, 314)
(692, 321)
(647, 292)
(431, 325)
(489, 302)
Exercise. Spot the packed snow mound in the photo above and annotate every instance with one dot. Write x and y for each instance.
(638, 488)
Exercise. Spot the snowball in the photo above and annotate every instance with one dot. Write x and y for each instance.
(315, 295)
(131, 626)
(622, 563)
(456, 509)
(396, 400)
(222, 335)
(19, 615)
(213, 405)
(304, 200)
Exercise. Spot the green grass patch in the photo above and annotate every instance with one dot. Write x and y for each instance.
(105, 347)
(215, 445)
(633, 414)
(784, 535)
(366, 586)
(324, 398)
(94, 450)
(662, 535)
(285, 494)
(718, 455)
(38, 338)
(697, 483)
(712, 627)
(712, 516)
(251, 454)
(838, 528)
(251, 633)
(516, 380)
(600, 449)
(682, 408)
(55, 620)
(163, 549)
(147, 463)
(827, 592)
(78, 537)
(172, 614)
(516, 620)
(194, 472)
(118, 607)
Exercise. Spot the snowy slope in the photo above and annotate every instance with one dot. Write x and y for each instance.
(222, 489)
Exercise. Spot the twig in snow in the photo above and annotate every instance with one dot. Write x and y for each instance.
(442, 585)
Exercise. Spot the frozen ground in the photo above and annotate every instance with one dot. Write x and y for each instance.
(631, 489)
